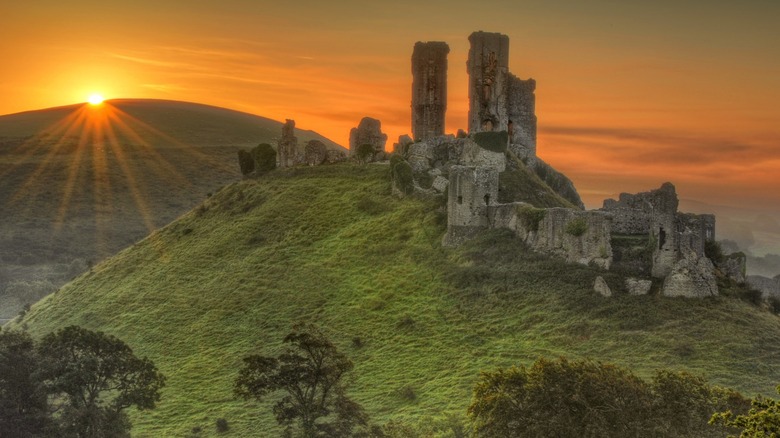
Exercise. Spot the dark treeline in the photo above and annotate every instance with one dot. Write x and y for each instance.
(72, 383)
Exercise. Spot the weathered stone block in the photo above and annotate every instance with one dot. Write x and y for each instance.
(692, 278)
(635, 286)
(601, 287)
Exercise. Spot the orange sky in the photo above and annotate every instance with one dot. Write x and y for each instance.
(629, 94)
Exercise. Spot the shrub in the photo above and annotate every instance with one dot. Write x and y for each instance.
(530, 217)
(246, 162)
(403, 178)
(407, 393)
(364, 153)
(714, 252)
(222, 425)
(495, 141)
(577, 227)
(774, 305)
(265, 158)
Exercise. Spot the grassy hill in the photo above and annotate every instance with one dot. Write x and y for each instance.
(81, 182)
(329, 245)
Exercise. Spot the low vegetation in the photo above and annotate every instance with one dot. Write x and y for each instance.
(419, 321)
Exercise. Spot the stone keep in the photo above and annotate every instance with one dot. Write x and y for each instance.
(429, 89)
(488, 68)
(287, 147)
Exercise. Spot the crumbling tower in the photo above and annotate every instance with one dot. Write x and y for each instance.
(429, 89)
(488, 68)
(287, 146)
(498, 100)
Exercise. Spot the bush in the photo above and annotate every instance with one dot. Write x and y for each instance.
(577, 227)
(530, 217)
(403, 178)
(364, 153)
(265, 158)
(591, 399)
(495, 141)
(714, 252)
(246, 162)
(222, 425)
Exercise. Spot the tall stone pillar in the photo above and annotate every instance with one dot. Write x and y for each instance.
(429, 89)
(287, 146)
(488, 67)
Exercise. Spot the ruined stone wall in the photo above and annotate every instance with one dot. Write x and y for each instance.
(488, 68)
(664, 229)
(575, 235)
(429, 89)
(695, 230)
(471, 190)
(521, 112)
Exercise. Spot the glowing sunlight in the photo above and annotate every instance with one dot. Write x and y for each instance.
(95, 99)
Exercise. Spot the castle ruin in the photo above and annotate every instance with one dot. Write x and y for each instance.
(654, 240)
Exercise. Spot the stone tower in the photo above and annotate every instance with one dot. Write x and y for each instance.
(287, 146)
(488, 68)
(429, 89)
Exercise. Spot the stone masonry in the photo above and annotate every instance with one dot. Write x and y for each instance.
(429, 89)
(498, 100)
(368, 131)
(488, 67)
(287, 147)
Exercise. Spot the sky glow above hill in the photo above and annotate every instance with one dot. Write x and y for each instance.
(629, 94)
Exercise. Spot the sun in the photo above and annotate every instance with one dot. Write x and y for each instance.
(95, 99)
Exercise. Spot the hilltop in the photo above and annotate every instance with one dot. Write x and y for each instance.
(81, 182)
(331, 245)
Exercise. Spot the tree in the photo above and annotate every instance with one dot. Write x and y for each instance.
(590, 399)
(762, 421)
(310, 373)
(559, 398)
(24, 411)
(93, 378)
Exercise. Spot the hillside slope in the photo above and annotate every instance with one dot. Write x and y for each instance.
(329, 245)
(78, 183)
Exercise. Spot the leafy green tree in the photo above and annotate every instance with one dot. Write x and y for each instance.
(24, 410)
(762, 421)
(309, 373)
(93, 378)
(590, 399)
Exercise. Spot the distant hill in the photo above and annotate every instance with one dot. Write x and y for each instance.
(80, 182)
(330, 245)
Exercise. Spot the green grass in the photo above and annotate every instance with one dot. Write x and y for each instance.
(329, 245)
